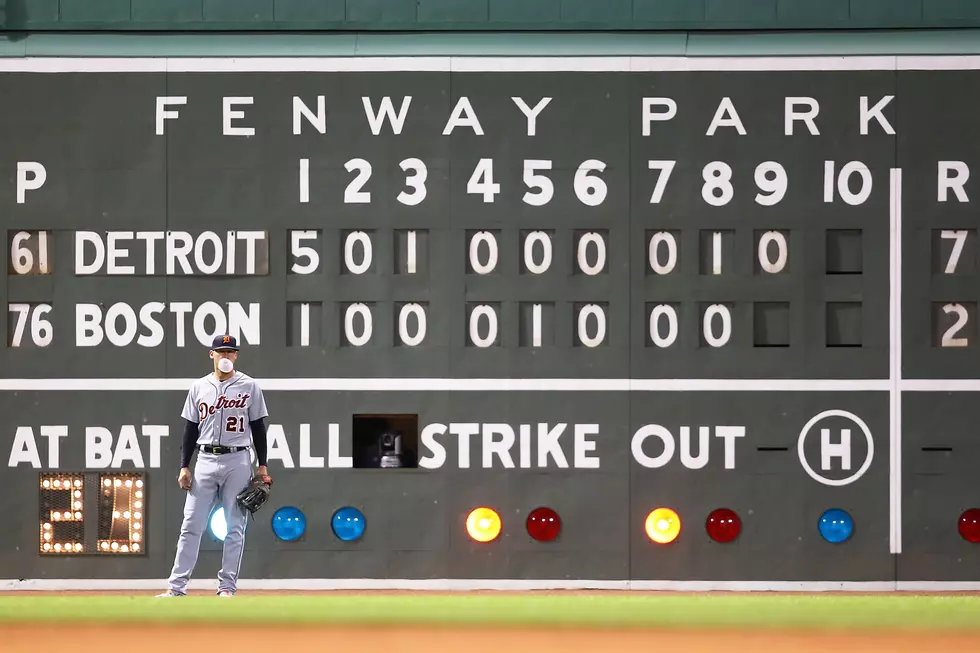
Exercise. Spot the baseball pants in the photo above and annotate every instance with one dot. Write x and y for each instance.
(216, 479)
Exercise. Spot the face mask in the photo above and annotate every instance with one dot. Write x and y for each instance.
(225, 365)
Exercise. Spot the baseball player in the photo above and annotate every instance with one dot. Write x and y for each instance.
(224, 415)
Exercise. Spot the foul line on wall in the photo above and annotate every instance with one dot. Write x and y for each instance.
(465, 585)
(895, 361)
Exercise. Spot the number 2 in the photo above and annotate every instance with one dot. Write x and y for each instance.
(235, 424)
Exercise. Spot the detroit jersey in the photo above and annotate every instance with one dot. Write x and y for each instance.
(223, 409)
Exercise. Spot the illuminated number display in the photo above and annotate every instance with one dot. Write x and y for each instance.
(61, 501)
(118, 501)
(122, 506)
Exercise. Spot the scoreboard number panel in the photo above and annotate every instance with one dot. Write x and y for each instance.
(69, 526)
(705, 229)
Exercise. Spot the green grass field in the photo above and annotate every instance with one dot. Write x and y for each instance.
(604, 610)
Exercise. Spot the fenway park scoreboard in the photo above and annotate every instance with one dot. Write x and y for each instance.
(596, 286)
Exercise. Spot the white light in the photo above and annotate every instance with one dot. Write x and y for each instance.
(107, 483)
(77, 505)
(46, 484)
(117, 482)
(78, 494)
(47, 547)
(139, 494)
(124, 549)
(47, 527)
(138, 504)
(78, 483)
(115, 514)
(137, 526)
(139, 483)
(136, 537)
(78, 515)
(129, 483)
(136, 547)
(114, 545)
(105, 545)
(126, 515)
(218, 525)
(78, 547)
(56, 516)
(137, 515)
(47, 536)
(57, 547)
(663, 524)
(57, 483)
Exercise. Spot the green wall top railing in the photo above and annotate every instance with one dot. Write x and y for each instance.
(489, 15)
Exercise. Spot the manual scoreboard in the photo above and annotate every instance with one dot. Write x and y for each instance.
(602, 290)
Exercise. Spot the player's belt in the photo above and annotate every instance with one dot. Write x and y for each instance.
(210, 448)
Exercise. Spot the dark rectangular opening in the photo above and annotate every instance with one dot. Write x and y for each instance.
(939, 449)
(386, 441)
(772, 448)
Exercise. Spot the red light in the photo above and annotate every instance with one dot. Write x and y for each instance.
(543, 524)
(723, 525)
(970, 525)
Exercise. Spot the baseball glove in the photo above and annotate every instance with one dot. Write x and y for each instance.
(256, 494)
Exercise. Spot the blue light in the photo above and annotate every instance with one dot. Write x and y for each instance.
(835, 526)
(217, 525)
(348, 524)
(289, 523)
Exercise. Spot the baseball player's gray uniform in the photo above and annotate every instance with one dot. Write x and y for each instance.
(225, 413)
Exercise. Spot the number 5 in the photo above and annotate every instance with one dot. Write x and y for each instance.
(532, 180)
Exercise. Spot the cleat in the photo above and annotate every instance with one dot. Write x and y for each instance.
(168, 594)
(225, 594)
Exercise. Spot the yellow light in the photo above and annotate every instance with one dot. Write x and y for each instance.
(78, 547)
(115, 514)
(78, 483)
(117, 482)
(124, 549)
(107, 483)
(47, 527)
(663, 525)
(483, 524)
(105, 546)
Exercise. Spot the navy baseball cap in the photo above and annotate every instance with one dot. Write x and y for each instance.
(227, 343)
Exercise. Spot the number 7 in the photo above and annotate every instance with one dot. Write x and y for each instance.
(954, 256)
(665, 168)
